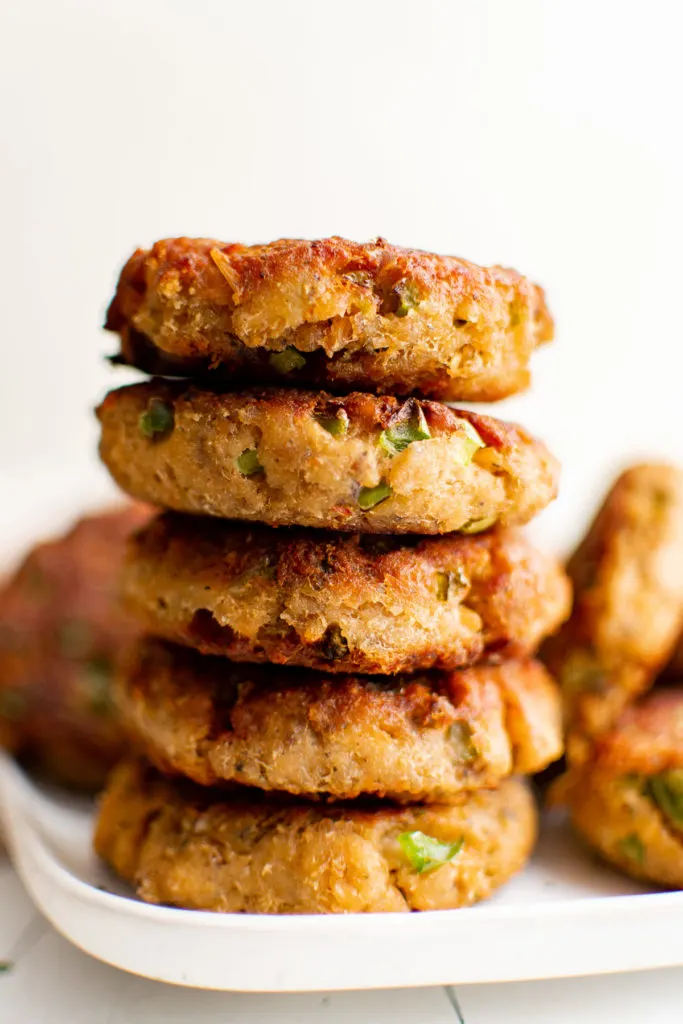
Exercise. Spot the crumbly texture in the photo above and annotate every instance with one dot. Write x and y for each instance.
(626, 800)
(178, 845)
(369, 316)
(268, 455)
(61, 628)
(426, 737)
(628, 606)
(342, 602)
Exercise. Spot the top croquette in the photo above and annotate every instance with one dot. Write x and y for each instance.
(330, 313)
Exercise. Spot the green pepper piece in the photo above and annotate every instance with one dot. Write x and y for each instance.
(426, 853)
(408, 297)
(370, 497)
(478, 525)
(399, 435)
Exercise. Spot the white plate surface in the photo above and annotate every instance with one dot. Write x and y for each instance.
(565, 915)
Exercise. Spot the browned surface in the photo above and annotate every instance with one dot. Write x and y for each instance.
(310, 477)
(628, 607)
(410, 738)
(342, 602)
(179, 846)
(609, 795)
(60, 630)
(190, 306)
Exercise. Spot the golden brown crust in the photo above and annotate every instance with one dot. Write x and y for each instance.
(626, 800)
(179, 846)
(342, 602)
(628, 607)
(369, 316)
(298, 473)
(409, 738)
(60, 629)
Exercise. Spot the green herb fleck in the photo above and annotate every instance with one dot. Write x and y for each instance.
(460, 738)
(426, 853)
(472, 442)
(74, 638)
(408, 297)
(446, 580)
(288, 360)
(13, 705)
(336, 425)
(157, 420)
(98, 674)
(666, 789)
(6, 966)
(399, 435)
(478, 525)
(248, 462)
(370, 497)
(631, 846)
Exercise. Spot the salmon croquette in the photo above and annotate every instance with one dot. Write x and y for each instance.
(61, 628)
(626, 800)
(342, 602)
(299, 458)
(628, 605)
(419, 737)
(187, 846)
(330, 313)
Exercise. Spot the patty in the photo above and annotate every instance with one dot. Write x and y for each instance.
(626, 800)
(299, 458)
(342, 602)
(60, 630)
(628, 606)
(417, 737)
(329, 313)
(179, 845)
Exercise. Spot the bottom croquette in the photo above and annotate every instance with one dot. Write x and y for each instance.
(191, 847)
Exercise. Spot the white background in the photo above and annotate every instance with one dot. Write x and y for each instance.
(544, 135)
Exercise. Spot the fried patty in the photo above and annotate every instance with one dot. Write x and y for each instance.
(178, 845)
(417, 737)
(330, 313)
(60, 630)
(627, 799)
(342, 602)
(299, 458)
(628, 606)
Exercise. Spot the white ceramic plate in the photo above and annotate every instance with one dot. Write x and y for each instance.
(565, 915)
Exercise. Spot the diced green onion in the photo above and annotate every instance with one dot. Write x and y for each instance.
(472, 441)
(336, 425)
(408, 297)
(478, 525)
(631, 846)
(666, 789)
(157, 420)
(426, 853)
(460, 739)
(248, 462)
(370, 497)
(446, 580)
(288, 360)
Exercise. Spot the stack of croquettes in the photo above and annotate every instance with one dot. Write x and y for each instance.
(335, 698)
